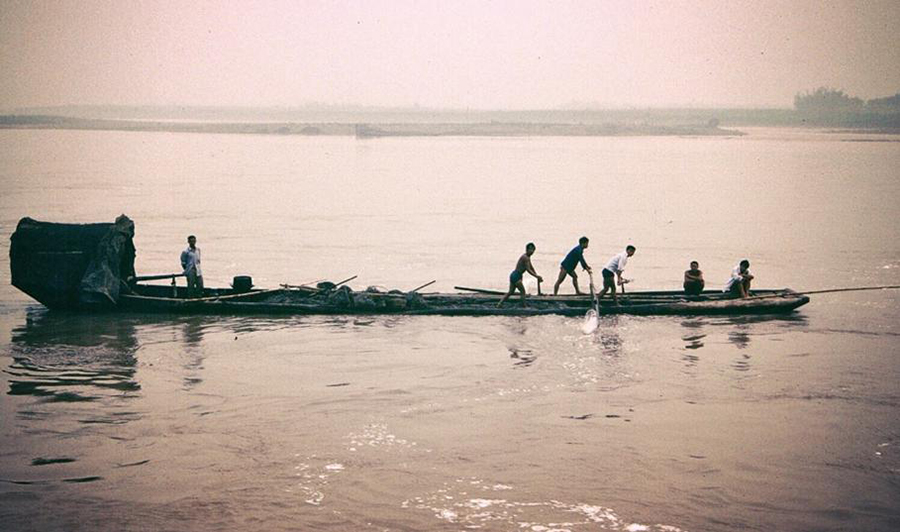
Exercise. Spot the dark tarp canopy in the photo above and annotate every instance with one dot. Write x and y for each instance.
(72, 265)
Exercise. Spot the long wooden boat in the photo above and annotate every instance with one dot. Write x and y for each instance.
(305, 300)
(90, 267)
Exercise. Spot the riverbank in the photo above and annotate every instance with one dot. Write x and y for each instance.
(362, 130)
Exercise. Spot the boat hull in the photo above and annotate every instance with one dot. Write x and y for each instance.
(288, 302)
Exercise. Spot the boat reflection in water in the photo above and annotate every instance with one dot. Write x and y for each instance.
(70, 357)
(741, 331)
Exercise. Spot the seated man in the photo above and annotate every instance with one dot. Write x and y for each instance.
(739, 283)
(693, 280)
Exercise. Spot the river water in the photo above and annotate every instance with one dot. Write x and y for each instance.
(143, 422)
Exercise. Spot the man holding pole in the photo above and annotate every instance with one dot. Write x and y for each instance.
(567, 266)
(612, 273)
(515, 278)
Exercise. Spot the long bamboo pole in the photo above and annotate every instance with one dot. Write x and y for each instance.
(827, 291)
(480, 291)
(854, 289)
(416, 289)
(140, 278)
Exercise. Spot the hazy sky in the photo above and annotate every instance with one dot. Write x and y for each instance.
(487, 54)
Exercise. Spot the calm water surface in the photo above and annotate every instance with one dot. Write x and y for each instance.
(430, 423)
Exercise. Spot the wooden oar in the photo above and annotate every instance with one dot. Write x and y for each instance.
(302, 285)
(299, 287)
(592, 318)
(480, 291)
(140, 278)
(347, 280)
(252, 293)
(622, 286)
(416, 289)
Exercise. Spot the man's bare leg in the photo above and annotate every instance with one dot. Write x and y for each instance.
(512, 288)
(559, 280)
(575, 283)
(602, 292)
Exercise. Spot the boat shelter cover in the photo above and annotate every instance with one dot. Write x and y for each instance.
(72, 265)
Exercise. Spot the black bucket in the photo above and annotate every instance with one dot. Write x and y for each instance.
(242, 283)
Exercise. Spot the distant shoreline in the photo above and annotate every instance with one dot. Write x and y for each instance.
(405, 129)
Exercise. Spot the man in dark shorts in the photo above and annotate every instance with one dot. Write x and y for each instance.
(614, 269)
(522, 266)
(567, 266)
(693, 280)
(738, 284)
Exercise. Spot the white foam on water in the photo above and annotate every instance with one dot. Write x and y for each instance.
(377, 435)
(453, 504)
(591, 321)
(483, 503)
(314, 478)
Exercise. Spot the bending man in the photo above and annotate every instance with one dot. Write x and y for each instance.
(612, 273)
(515, 278)
(567, 266)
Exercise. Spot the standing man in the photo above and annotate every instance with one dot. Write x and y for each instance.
(567, 266)
(612, 272)
(739, 283)
(190, 263)
(693, 280)
(515, 278)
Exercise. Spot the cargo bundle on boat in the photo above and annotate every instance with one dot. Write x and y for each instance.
(91, 267)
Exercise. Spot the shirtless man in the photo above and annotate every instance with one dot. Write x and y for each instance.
(739, 283)
(515, 278)
(693, 280)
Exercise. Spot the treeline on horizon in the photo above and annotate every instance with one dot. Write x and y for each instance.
(834, 108)
(822, 107)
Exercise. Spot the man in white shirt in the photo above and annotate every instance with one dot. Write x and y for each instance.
(738, 284)
(612, 273)
(190, 263)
